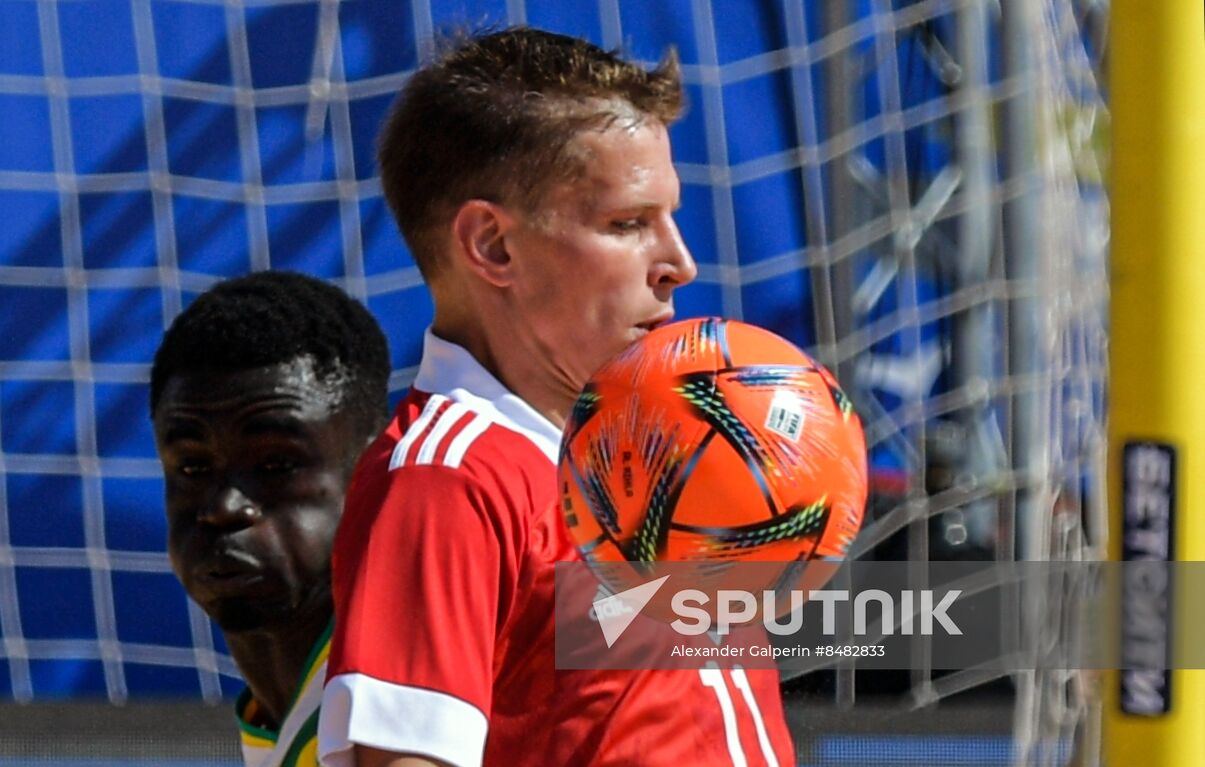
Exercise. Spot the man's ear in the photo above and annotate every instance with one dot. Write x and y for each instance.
(480, 230)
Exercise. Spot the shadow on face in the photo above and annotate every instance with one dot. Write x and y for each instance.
(255, 467)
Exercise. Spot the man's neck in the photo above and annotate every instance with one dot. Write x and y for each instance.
(272, 661)
(521, 367)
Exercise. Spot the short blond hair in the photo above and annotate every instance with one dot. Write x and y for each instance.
(494, 116)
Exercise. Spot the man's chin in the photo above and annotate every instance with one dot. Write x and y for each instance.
(242, 615)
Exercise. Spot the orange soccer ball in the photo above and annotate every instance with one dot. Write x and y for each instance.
(713, 440)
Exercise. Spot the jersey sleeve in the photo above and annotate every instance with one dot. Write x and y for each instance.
(424, 568)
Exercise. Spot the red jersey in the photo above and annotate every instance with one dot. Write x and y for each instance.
(443, 586)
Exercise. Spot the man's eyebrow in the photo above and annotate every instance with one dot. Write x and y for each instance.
(181, 430)
(639, 207)
(275, 425)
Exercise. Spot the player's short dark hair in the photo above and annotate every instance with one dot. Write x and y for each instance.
(270, 318)
(493, 118)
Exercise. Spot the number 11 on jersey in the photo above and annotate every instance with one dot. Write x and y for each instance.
(714, 678)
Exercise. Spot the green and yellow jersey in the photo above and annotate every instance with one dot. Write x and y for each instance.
(295, 744)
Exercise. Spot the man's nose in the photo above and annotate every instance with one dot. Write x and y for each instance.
(230, 508)
(675, 266)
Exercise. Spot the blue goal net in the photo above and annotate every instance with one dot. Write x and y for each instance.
(855, 177)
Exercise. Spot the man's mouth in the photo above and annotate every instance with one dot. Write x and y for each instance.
(228, 573)
(656, 322)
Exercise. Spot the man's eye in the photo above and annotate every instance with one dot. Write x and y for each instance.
(277, 466)
(193, 469)
(627, 224)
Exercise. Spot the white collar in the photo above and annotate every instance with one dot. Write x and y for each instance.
(450, 370)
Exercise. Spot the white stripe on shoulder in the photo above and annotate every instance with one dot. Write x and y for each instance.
(461, 442)
(448, 419)
(418, 427)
